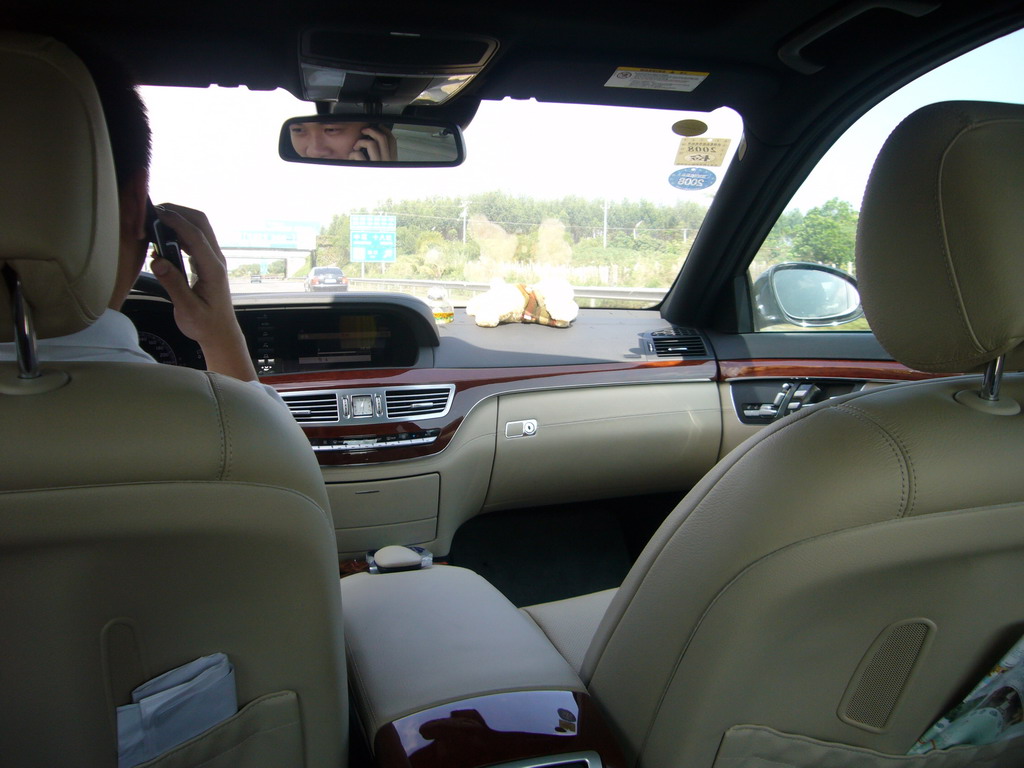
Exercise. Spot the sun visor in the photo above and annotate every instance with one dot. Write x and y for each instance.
(392, 69)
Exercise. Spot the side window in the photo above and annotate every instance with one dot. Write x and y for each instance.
(820, 223)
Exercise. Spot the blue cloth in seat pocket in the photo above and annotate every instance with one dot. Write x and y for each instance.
(174, 707)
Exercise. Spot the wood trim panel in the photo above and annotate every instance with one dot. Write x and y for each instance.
(464, 734)
(471, 386)
(885, 370)
(473, 377)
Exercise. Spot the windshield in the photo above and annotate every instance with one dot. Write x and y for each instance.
(608, 198)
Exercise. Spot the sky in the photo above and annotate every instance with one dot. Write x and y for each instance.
(216, 149)
(994, 72)
(230, 166)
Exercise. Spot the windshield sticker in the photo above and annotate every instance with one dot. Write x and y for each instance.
(692, 179)
(655, 79)
(690, 128)
(702, 151)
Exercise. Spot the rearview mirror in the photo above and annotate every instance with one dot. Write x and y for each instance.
(806, 295)
(361, 141)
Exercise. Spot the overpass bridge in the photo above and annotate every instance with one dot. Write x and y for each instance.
(292, 241)
(264, 257)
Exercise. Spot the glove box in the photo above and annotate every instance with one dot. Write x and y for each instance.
(590, 443)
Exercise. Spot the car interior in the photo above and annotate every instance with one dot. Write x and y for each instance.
(758, 508)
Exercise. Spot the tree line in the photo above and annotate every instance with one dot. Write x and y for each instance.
(825, 234)
(593, 242)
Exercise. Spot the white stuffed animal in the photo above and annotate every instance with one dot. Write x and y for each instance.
(556, 298)
(548, 302)
(502, 303)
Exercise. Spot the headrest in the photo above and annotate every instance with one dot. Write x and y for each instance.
(58, 197)
(940, 242)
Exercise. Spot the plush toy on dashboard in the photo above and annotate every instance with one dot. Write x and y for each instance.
(548, 302)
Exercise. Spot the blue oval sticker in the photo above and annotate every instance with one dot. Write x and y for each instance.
(692, 178)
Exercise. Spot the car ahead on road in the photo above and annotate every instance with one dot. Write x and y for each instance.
(325, 279)
(714, 154)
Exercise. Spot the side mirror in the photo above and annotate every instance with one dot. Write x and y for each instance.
(806, 295)
(355, 140)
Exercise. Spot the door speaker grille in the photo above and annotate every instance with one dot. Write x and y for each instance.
(883, 674)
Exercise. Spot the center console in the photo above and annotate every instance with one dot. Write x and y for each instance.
(445, 671)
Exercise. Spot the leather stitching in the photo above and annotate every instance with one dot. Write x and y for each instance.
(360, 684)
(997, 750)
(947, 251)
(225, 430)
(720, 594)
(220, 423)
(712, 479)
(961, 304)
(907, 477)
(709, 482)
(912, 471)
(907, 458)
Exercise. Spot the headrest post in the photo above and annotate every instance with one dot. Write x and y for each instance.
(986, 399)
(993, 376)
(24, 333)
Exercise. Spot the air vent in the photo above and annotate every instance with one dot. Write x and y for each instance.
(315, 408)
(678, 342)
(417, 402)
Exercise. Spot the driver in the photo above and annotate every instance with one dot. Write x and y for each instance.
(343, 141)
(203, 310)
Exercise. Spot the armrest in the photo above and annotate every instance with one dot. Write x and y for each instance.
(420, 639)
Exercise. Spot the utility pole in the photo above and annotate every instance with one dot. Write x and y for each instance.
(606, 222)
(465, 214)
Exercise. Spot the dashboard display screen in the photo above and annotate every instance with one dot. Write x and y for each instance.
(354, 341)
(325, 340)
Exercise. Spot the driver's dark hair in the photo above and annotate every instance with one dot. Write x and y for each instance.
(123, 108)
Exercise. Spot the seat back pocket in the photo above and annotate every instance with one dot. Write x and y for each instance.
(754, 746)
(266, 733)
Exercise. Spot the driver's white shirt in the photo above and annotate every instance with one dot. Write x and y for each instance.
(113, 338)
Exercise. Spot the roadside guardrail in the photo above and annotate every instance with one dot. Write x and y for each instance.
(650, 295)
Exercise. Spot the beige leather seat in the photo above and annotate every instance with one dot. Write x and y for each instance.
(842, 579)
(149, 515)
(851, 572)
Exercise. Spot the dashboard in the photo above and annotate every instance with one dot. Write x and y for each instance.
(419, 428)
(370, 376)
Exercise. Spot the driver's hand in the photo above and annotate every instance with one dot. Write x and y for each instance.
(379, 144)
(203, 311)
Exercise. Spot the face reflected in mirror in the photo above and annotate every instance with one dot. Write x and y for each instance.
(348, 140)
(344, 140)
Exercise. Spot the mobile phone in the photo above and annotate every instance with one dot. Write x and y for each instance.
(366, 154)
(163, 238)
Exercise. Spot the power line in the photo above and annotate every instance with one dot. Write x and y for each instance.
(458, 220)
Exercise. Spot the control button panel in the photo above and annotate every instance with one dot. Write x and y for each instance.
(375, 442)
(766, 400)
